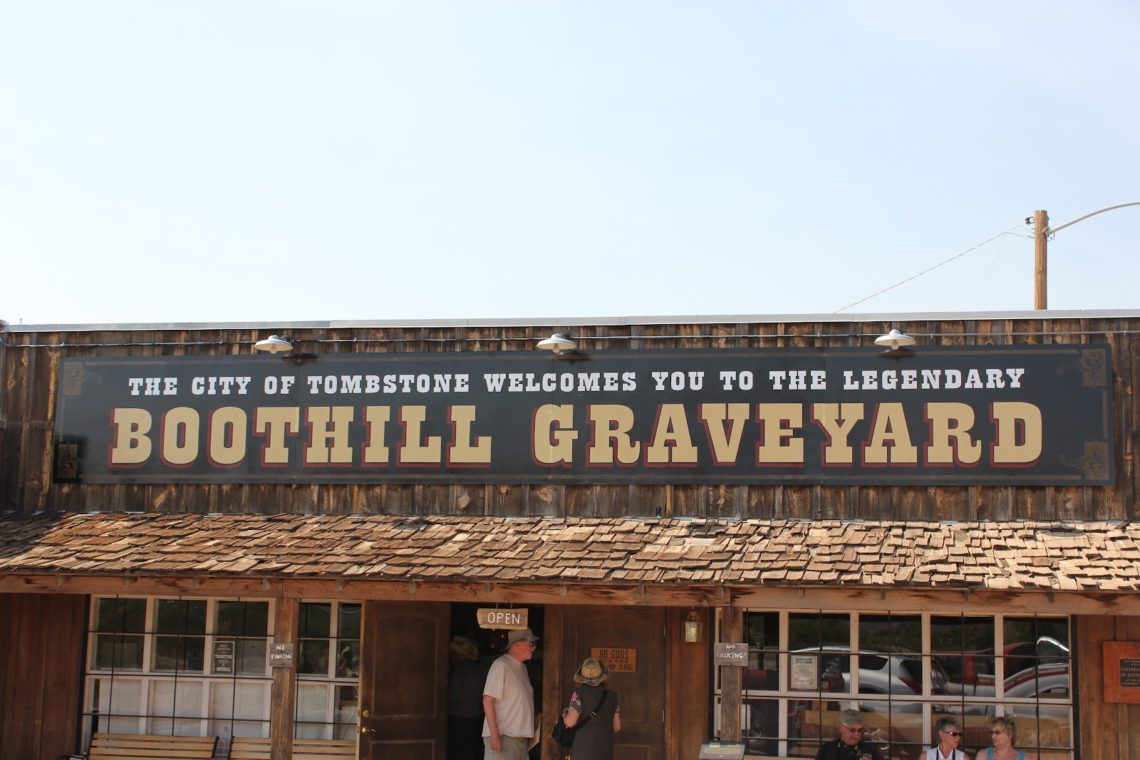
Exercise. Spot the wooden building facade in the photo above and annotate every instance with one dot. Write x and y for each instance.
(178, 560)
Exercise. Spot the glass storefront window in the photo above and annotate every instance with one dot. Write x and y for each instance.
(800, 678)
(178, 667)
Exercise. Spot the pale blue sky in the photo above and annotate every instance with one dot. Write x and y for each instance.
(287, 160)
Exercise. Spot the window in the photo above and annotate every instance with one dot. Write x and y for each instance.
(905, 671)
(184, 667)
(328, 668)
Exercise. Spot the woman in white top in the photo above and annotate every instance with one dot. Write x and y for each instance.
(949, 737)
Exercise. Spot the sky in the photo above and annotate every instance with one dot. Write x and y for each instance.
(283, 160)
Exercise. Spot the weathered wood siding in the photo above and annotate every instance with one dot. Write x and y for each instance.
(41, 662)
(29, 390)
(1106, 731)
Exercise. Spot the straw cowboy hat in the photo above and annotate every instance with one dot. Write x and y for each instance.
(591, 673)
(464, 646)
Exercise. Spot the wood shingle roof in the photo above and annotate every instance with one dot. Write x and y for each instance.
(1101, 556)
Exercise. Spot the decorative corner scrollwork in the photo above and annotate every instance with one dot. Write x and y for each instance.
(1094, 368)
(1094, 464)
(71, 382)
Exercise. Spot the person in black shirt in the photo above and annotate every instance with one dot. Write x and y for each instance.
(850, 745)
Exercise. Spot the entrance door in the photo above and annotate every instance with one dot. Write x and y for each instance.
(637, 637)
(403, 681)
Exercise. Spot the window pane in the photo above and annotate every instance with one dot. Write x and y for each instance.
(313, 658)
(348, 660)
(312, 711)
(181, 702)
(762, 632)
(963, 659)
(181, 616)
(179, 653)
(975, 721)
(808, 633)
(243, 618)
(1039, 681)
(1052, 638)
(314, 621)
(895, 722)
(1041, 727)
(347, 703)
(809, 723)
(1036, 658)
(762, 725)
(121, 615)
(247, 715)
(819, 631)
(117, 704)
(251, 657)
(890, 633)
(348, 626)
(886, 662)
(118, 652)
(1055, 726)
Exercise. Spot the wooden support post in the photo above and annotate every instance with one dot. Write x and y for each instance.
(554, 691)
(1040, 259)
(284, 694)
(731, 703)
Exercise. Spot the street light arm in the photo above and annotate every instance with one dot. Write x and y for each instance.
(1054, 230)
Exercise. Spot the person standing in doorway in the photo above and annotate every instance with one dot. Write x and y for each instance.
(508, 701)
(596, 712)
(465, 701)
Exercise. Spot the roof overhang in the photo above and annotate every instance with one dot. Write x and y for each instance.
(1085, 567)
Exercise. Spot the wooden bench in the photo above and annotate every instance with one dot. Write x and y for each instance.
(144, 747)
(250, 748)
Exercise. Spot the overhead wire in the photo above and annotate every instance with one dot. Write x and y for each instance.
(928, 270)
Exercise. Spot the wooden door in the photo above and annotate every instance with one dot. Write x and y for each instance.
(640, 682)
(403, 681)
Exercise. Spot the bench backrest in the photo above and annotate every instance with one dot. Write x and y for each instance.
(250, 748)
(144, 747)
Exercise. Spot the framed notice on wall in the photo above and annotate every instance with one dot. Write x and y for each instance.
(1122, 672)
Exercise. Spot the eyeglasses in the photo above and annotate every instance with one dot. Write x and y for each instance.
(996, 732)
(853, 730)
(952, 733)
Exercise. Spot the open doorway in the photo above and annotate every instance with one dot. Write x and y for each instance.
(465, 733)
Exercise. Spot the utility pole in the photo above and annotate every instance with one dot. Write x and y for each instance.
(1040, 259)
(1041, 233)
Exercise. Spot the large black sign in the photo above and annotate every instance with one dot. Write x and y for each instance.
(998, 415)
